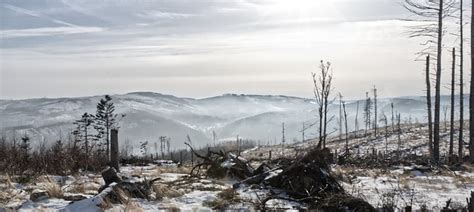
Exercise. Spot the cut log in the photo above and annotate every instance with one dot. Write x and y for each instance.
(110, 176)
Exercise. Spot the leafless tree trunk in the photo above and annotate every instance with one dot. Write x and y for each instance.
(283, 133)
(399, 135)
(340, 116)
(375, 111)
(345, 121)
(367, 112)
(438, 83)
(302, 132)
(428, 103)
(356, 124)
(393, 118)
(433, 13)
(445, 112)
(461, 80)
(322, 90)
(451, 133)
(471, 95)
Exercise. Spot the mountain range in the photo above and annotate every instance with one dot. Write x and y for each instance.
(151, 115)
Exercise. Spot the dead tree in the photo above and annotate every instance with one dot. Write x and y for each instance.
(302, 132)
(471, 95)
(322, 90)
(384, 119)
(356, 124)
(399, 135)
(375, 111)
(162, 146)
(283, 133)
(461, 79)
(431, 14)
(340, 116)
(345, 123)
(451, 132)
(114, 149)
(393, 118)
(367, 112)
(445, 113)
(428, 104)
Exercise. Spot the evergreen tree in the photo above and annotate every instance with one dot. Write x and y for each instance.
(83, 126)
(105, 120)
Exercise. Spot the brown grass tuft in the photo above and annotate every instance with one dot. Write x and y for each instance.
(162, 191)
(53, 190)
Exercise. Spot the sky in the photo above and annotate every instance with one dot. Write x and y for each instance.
(202, 48)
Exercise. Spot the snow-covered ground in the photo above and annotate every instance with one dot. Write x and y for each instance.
(398, 185)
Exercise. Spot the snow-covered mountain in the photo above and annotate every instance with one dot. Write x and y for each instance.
(150, 115)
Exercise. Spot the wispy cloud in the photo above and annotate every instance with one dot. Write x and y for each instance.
(37, 14)
(48, 31)
(164, 15)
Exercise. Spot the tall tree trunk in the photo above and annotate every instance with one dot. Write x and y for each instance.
(375, 111)
(325, 121)
(356, 124)
(428, 103)
(461, 83)
(107, 140)
(471, 95)
(393, 118)
(451, 133)
(345, 121)
(340, 117)
(438, 83)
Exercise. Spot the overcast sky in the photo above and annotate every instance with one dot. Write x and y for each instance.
(201, 48)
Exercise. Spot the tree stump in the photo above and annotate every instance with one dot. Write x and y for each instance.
(110, 176)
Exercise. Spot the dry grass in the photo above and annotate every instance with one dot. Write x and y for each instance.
(53, 190)
(178, 170)
(162, 191)
(79, 188)
(132, 206)
(225, 198)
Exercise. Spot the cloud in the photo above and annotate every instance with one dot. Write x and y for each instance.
(36, 14)
(154, 14)
(47, 31)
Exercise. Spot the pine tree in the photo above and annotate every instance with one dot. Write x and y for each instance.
(105, 120)
(83, 126)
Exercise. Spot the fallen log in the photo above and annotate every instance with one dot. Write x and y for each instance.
(123, 190)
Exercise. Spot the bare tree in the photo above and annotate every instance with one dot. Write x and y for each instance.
(451, 132)
(428, 104)
(356, 124)
(367, 112)
(302, 132)
(431, 14)
(345, 121)
(471, 95)
(384, 120)
(283, 133)
(375, 111)
(340, 116)
(445, 112)
(322, 90)
(393, 118)
(461, 79)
